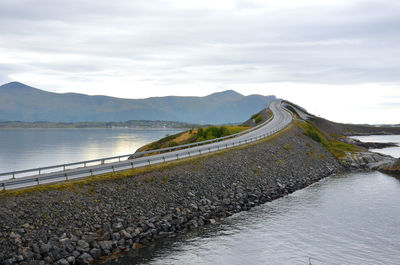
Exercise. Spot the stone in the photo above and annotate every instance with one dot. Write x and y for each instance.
(95, 253)
(62, 262)
(118, 226)
(45, 248)
(85, 258)
(14, 235)
(106, 245)
(82, 246)
(75, 253)
(27, 253)
(71, 260)
(125, 234)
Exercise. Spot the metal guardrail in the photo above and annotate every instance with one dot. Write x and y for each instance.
(66, 175)
(102, 161)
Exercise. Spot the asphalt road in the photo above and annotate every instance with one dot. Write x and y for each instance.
(280, 120)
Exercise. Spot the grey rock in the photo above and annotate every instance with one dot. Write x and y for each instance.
(71, 260)
(125, 234)
(106, 245)
(62, 262)
(45, 248)
(95, 253)
(82, 246)
(117, 227)
(85, 258)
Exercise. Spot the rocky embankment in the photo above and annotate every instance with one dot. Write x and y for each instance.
(367, 160)
(392, 168)
(79, 223)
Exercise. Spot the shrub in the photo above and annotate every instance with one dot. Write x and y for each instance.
(172, 143)
(154, 146)
(258, 119)
(200, 132)
(254, 116)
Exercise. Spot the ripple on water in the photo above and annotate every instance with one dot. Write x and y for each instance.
(348, 219)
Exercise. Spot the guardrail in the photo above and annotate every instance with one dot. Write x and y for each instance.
(83, 172)
(68, 174)
(102, 161)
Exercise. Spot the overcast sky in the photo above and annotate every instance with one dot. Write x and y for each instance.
(340, 59)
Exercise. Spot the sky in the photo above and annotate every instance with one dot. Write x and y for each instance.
(340, 59)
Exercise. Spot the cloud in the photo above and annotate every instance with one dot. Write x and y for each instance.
(169, 46)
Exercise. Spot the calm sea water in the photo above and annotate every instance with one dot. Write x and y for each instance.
(352, 218)
(31, 148)
(393, 151)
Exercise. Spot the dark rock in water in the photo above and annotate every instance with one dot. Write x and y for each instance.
(392, 169)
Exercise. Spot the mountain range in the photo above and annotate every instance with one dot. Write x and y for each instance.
(19, 102)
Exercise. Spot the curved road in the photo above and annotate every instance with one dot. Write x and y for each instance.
(281, 119)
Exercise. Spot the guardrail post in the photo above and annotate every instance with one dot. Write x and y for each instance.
(132, 164)
(66, 176)
(39, 171)
(13, 175)
(149, 161)
(4, 186)
(102, 162)
(112, 168)
(91, 172)
(84, 164)
(177, 157)
(189, 154)
(119, 159)
(209, 149)
(64, 168)
(164, 158)
(37, 179)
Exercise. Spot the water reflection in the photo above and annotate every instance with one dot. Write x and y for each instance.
(30, 148)
(347, 219)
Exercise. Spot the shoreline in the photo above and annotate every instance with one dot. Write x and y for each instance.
(76, 225)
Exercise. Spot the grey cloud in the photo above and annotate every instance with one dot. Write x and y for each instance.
(352, 44)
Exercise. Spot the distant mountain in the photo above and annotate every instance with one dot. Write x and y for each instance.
(19, 102)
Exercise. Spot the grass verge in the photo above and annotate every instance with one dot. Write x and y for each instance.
(336, 147)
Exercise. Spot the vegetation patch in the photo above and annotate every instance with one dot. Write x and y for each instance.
(255, 115)
(287, 147)
(258, 119)
(336, 147)
(193, 136)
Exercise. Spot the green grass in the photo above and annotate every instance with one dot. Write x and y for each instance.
(255, 115)
(336, 147)
(287, 147)
(258, 119)
(194, 135)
